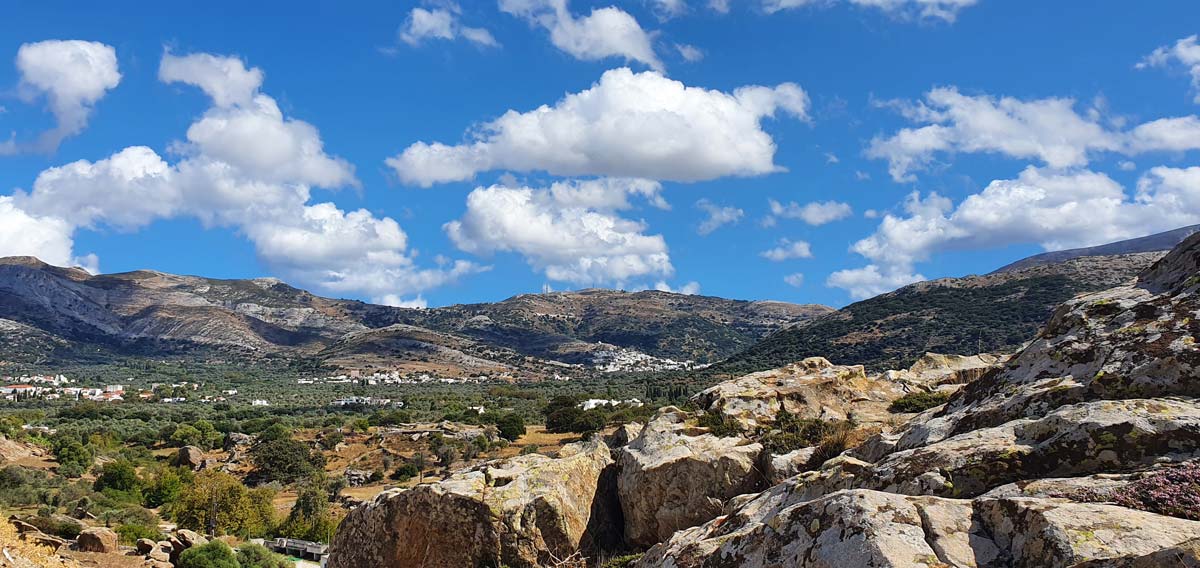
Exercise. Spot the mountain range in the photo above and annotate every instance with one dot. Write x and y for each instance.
(51, 315)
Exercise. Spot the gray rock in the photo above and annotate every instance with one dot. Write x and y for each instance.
(675, 475)
(523, 512)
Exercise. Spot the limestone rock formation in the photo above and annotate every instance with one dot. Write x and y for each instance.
(526, 511)
(778, 468)
(1105, 393)
(872, 528)
(812, 388)
(675, 475)
(97, 539)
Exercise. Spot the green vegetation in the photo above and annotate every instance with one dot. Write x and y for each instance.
(893, 330)
(218, 503)
(215, 554)
(511, 426)
(563, 415)
(918, 401)
(719, 425)
(622, 561)
(252, 555)
(285, 460)
(310, 518)
(792, 433)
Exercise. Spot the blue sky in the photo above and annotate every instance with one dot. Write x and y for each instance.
(365, 151)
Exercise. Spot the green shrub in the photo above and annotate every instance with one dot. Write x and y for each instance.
(792, 433)
(130, 534)
(511, 426)
(405, 472)
(831, 446)
(621, 561)
(719, 425)
(918, 401)
(252, 555)
(215, 554)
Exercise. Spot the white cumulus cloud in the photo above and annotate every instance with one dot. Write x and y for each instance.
(1185, 52)
(946, 10)
(71, 75)
(634, 125)
(606, 32)
(690, 288)
(1053, 209)
(441, 23)
(815, 213)
(718, 216)
(248, 167)
(794, 280)
(788, 250)
(1045, 129)
(582, 242)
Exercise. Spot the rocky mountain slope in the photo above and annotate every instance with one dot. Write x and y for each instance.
(1152, 243)
(64, 314)
(991, 313)
(1081, 450)
(567, 326)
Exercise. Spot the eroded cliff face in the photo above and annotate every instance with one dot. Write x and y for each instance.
(1009, 471)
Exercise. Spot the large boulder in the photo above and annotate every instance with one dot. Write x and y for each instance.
(872, 528)
(526, 511)
(97, 539)
(674, 475)
(812, 388)
(190, 457)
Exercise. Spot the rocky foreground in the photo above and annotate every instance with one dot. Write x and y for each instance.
(1080, 450)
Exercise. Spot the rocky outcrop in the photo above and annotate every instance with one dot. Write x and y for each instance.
(817, 389)
(935, 369)
(623, 434)
(779, 467)
(872, 528)
(1105, 393)
(97, 539)
(812, 388)
(675, 475)
(528, 511)
(190, 457)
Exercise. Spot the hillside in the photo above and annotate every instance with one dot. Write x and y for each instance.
(992, 313)
(52, 314)
(1152, 243)
(567, 326)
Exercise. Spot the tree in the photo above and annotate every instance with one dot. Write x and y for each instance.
(564, 419)
(217, 503)
(252, 555)
(447, 455)
(187, 435)
(511, 426)
(285, 460)
(273, 432)
(121, 477)
(215, 554)
(73, 457)
(163, 485)
(209, 436)
(310, 518)
(420, 462)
